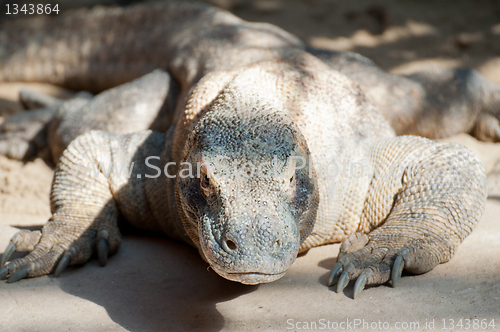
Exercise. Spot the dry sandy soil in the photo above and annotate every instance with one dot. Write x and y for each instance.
(152, 284)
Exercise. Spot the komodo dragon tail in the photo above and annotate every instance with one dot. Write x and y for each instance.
(95, 49)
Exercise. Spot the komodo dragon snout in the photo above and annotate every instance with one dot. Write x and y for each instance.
(254, 195)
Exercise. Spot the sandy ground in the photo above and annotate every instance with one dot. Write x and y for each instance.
(152, 284)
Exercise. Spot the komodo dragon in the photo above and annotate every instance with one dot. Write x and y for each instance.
(259, 150)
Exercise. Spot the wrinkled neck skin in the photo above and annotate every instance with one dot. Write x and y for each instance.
(251, 197)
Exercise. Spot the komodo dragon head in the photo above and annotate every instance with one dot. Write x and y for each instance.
(254, 200)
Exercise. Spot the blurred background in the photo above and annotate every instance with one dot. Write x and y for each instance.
(398, 35)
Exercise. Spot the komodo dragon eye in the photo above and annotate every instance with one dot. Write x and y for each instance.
(205, 182)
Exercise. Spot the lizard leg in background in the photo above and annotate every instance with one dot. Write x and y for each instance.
(145, 103)
(434, 102)
(424, 199)
(99, 177)
(24, 134)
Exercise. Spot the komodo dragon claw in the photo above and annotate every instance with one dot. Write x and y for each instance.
(102, 251)
(3, 272)
(360, 284)
(21, 274)
(63, 264)
(8, 251)
(335, 274)
(343, 281)
(397, 269)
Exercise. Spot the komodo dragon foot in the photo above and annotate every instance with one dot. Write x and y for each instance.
(62, 244)
(377, 259)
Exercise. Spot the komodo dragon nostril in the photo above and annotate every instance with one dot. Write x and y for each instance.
(230, 244)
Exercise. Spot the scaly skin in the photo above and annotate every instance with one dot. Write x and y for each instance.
(434, 102)
(285, 153)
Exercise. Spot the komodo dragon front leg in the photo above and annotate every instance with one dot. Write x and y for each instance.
(99, 177)
(424, 199)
